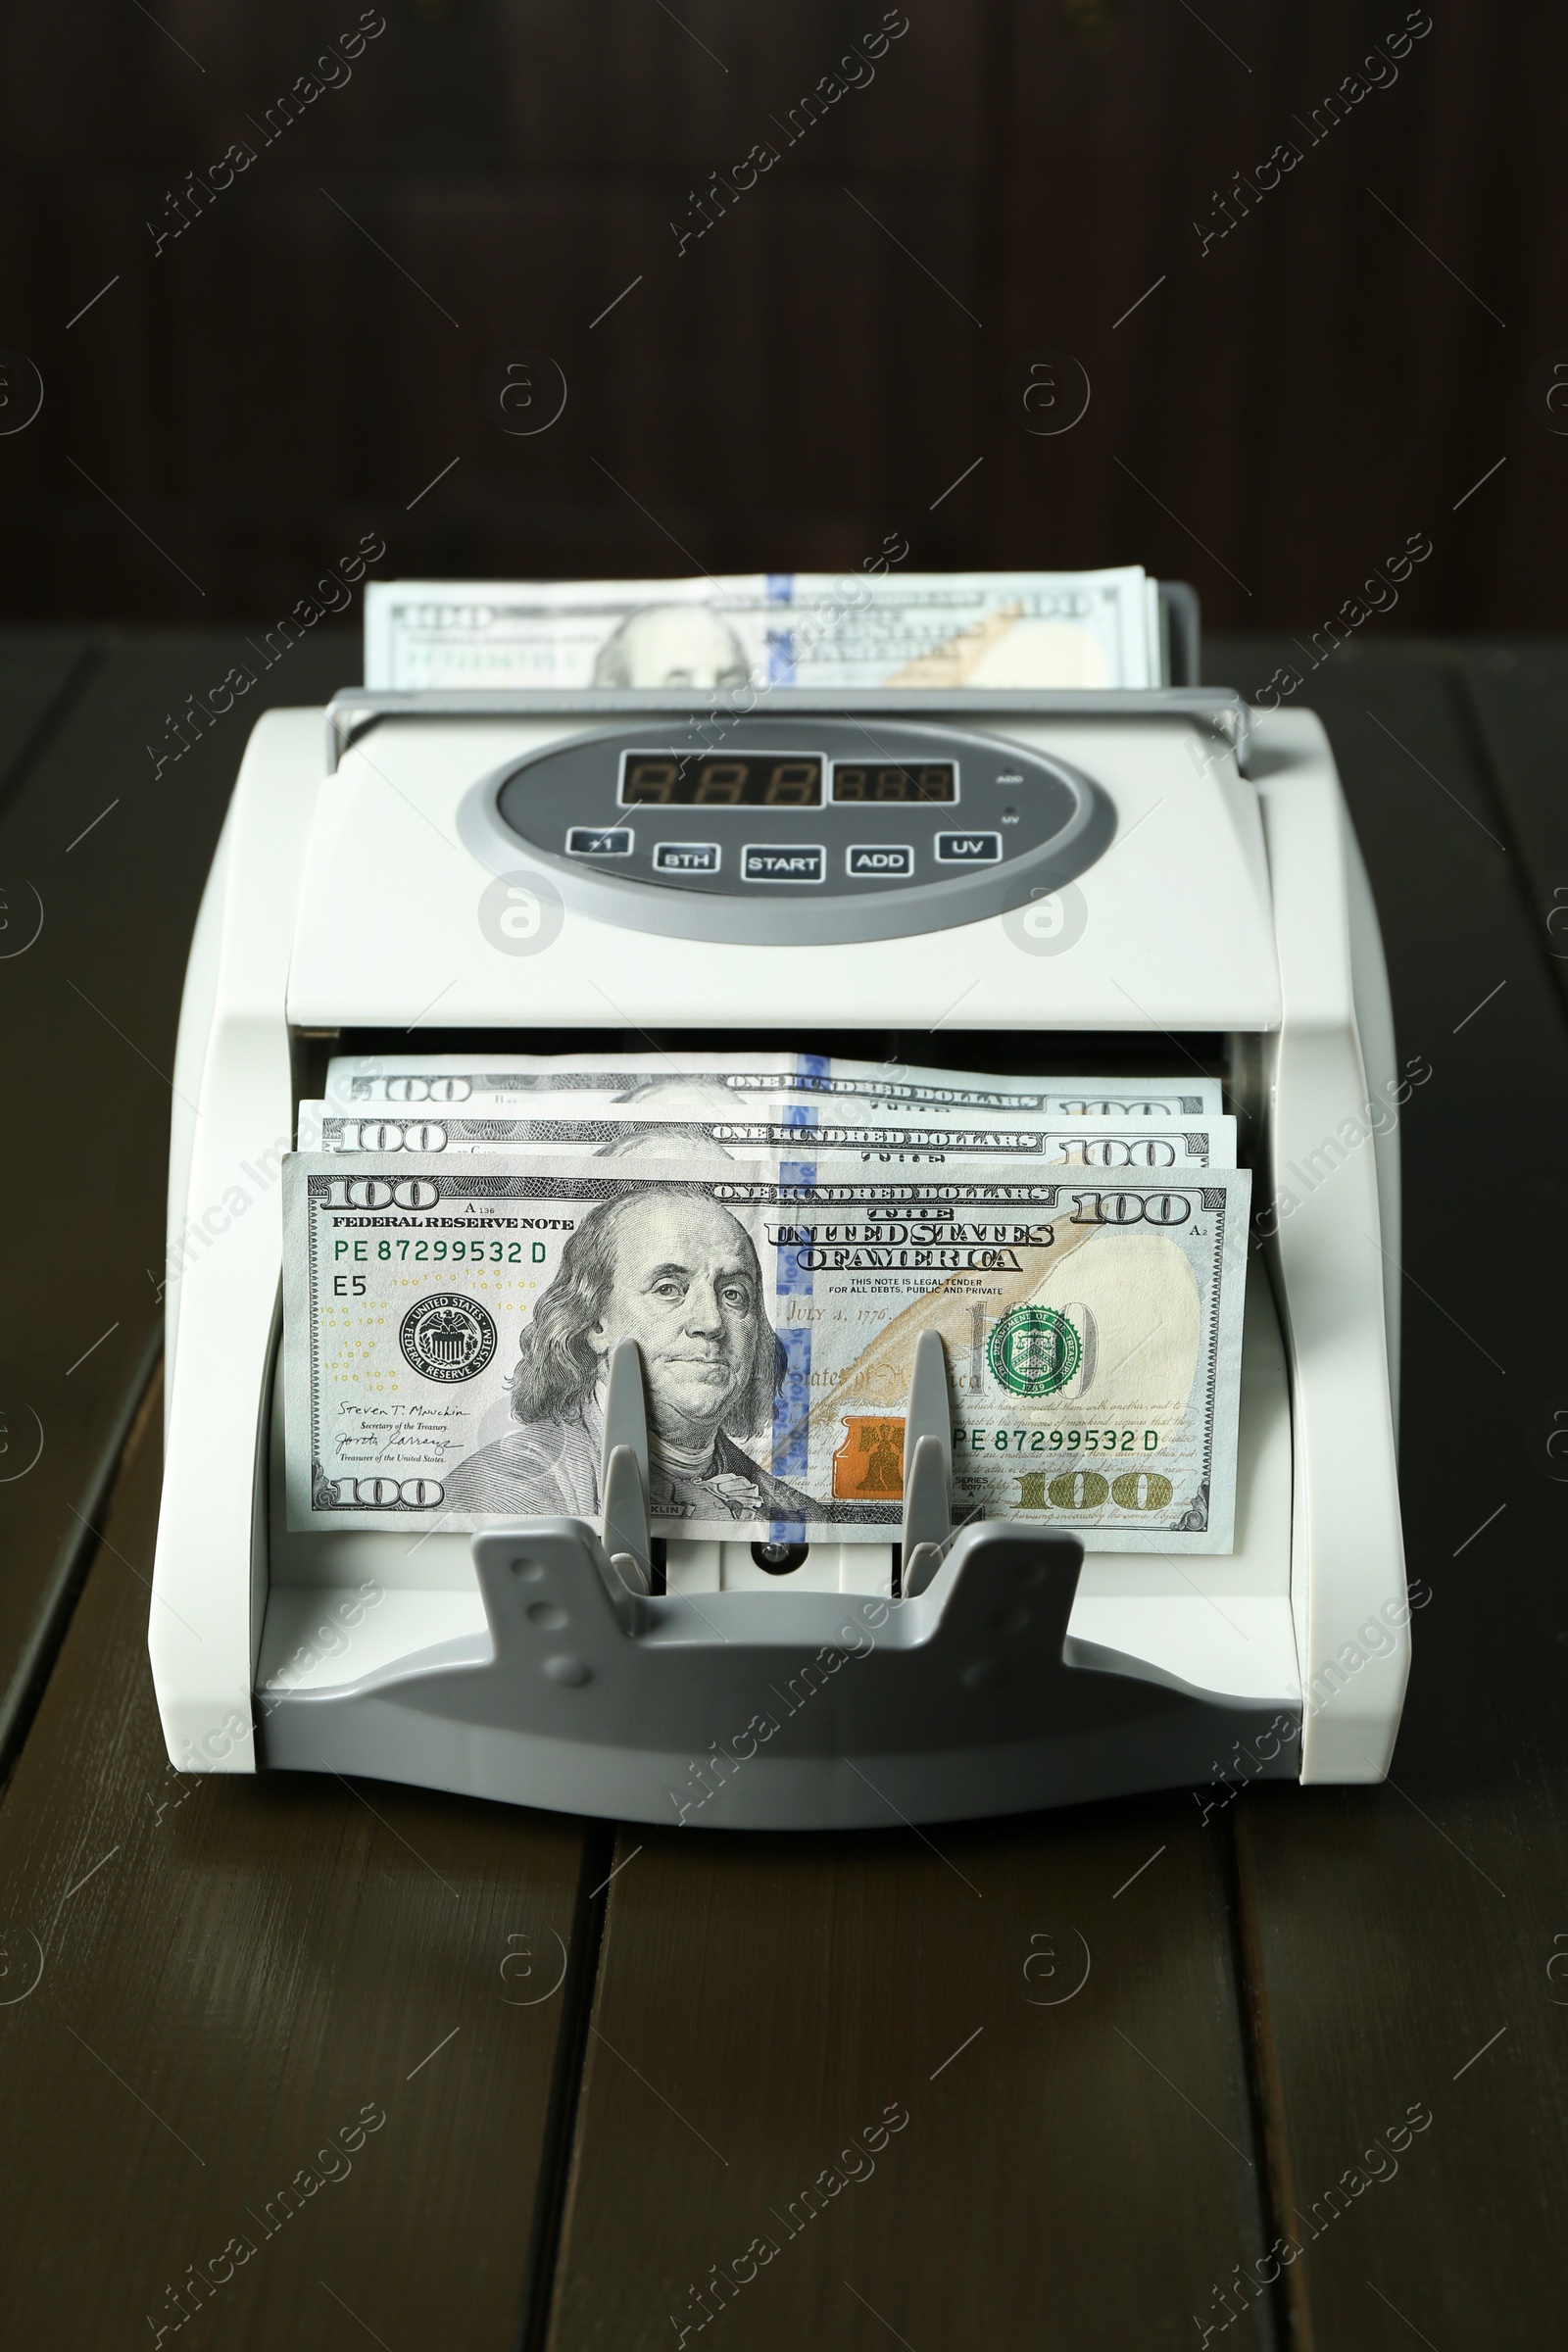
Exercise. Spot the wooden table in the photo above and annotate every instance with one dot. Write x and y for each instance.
(316, 2063)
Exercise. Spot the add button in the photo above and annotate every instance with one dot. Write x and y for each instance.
(969, 849)
(783, 861)
(884, 860)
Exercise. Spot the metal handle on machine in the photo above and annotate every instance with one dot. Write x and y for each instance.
(355, 708)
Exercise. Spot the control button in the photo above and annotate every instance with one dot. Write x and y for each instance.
(883, 861)
(785, 862)
(969, 849)
(686, 858)
(593, 841)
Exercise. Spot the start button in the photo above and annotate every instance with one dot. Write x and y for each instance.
(783, 861)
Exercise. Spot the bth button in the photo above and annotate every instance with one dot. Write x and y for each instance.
(686, 858)
(882, 861)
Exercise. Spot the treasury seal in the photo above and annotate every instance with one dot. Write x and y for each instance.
(1034, 1350)
(448, 1337)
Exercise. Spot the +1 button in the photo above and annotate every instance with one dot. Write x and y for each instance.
(595, 841)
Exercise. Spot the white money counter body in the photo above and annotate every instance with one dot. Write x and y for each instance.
(1153, 882)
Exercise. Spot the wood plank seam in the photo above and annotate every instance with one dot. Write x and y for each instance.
(79, 1548)
(1266, 2104)
(61, 707)
(1484, 751)
(558, 2160)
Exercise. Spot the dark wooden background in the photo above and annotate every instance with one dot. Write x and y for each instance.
(1271, 423)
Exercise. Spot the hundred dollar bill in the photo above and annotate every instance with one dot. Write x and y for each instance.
(770, 629)
(887, 1137)
(448, 1325)
(713, 1081)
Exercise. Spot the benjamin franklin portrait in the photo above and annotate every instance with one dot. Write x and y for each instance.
(671, 645)
(679, 1275)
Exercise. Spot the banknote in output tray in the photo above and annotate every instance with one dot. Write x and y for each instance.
(1092, 1329)
(715, 1084)
(647, 1132)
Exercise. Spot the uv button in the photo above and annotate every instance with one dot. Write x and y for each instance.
(969, 849)
(782, 861)
(883, 861)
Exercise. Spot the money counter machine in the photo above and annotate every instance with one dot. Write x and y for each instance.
(1157, 881)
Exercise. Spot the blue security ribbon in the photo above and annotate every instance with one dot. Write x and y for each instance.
(792, 1407)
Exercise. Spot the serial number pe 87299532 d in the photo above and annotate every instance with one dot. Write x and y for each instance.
(1055, 1441)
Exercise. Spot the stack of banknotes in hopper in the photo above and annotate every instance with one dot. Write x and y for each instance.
(876, 626)
(467, 1238)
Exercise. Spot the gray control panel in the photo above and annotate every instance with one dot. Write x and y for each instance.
(801, 829)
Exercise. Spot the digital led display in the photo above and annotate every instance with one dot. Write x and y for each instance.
(721, 780)
(888, 781)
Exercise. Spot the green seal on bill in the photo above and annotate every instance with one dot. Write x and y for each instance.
(1034, 1350)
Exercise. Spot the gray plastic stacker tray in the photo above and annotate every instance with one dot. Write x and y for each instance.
(591, 1693)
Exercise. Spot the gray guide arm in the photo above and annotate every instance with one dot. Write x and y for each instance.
(927, 1465)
